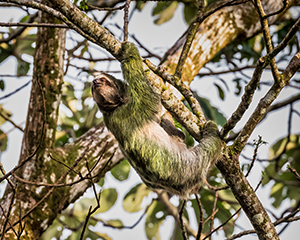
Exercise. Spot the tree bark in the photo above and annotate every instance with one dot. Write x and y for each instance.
(28, 203)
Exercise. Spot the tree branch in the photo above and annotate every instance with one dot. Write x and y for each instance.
(265, 103)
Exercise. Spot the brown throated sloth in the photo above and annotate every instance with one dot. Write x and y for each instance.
(153, 147)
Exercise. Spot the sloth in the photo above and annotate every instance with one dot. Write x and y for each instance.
(153, 145)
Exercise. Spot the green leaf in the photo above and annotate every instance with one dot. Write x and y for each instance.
(190, 12)
(285, 184)
(160, 7)
(5, 113)
(211, 112)
(2, 85)
(24, 19)
(102, 236)
(53, 231)
(121, 171)
(24, 43)
(156, 214)
(107, 199)
(101, 182)
(224, 208)
(278, 147)
(68, 92)
(3, 141)
(133, 199)
(165, 10)
(5, 51)
(177, 232)
(22, 68)
(220, 90)
(139, 5)
(238, 86)
(81, 208)
(83, 6)
(68, 121)
(117, 223)
(276, 193)
(86, 93)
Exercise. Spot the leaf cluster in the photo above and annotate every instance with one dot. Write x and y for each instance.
(284, 153)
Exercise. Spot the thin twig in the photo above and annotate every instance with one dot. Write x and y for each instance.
(223, 224)
(184, 233)
(65, 165)
(127, 227)
(70, 169)
(58, 181)
(232, 216)
(3, 211)
(215, 188)
(9, 120)
(172, 210)
(55, 13)
(293, 170)
(10, 204)
(246, 99)
(109, 9)
(257, 145)
(265, 103)
(213, 213)
(126, 10)
(97, 197)
(50, 25)
(146, 49)
(288, 218)
(85, 222)
(200, 226)
(17, 32)
(15, 91)
(267, 38)
(288, 37)
(35, 151)
(285, 5)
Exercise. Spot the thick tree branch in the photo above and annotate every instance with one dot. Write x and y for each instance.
(267, 37)
(246, 99)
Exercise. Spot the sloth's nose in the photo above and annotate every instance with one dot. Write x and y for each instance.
(97, 81)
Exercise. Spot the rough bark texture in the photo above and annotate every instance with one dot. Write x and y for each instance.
(215, 33)
(246, 196)
(33, 203)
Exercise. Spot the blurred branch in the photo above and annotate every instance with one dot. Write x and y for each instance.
(9, 120)
(288, 218)
(267, 37)
(293, 170)
(18, 31)
(193, 29)
(3, 24)
(164, 198)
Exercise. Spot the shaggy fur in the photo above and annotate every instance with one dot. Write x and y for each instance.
(154, 150)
